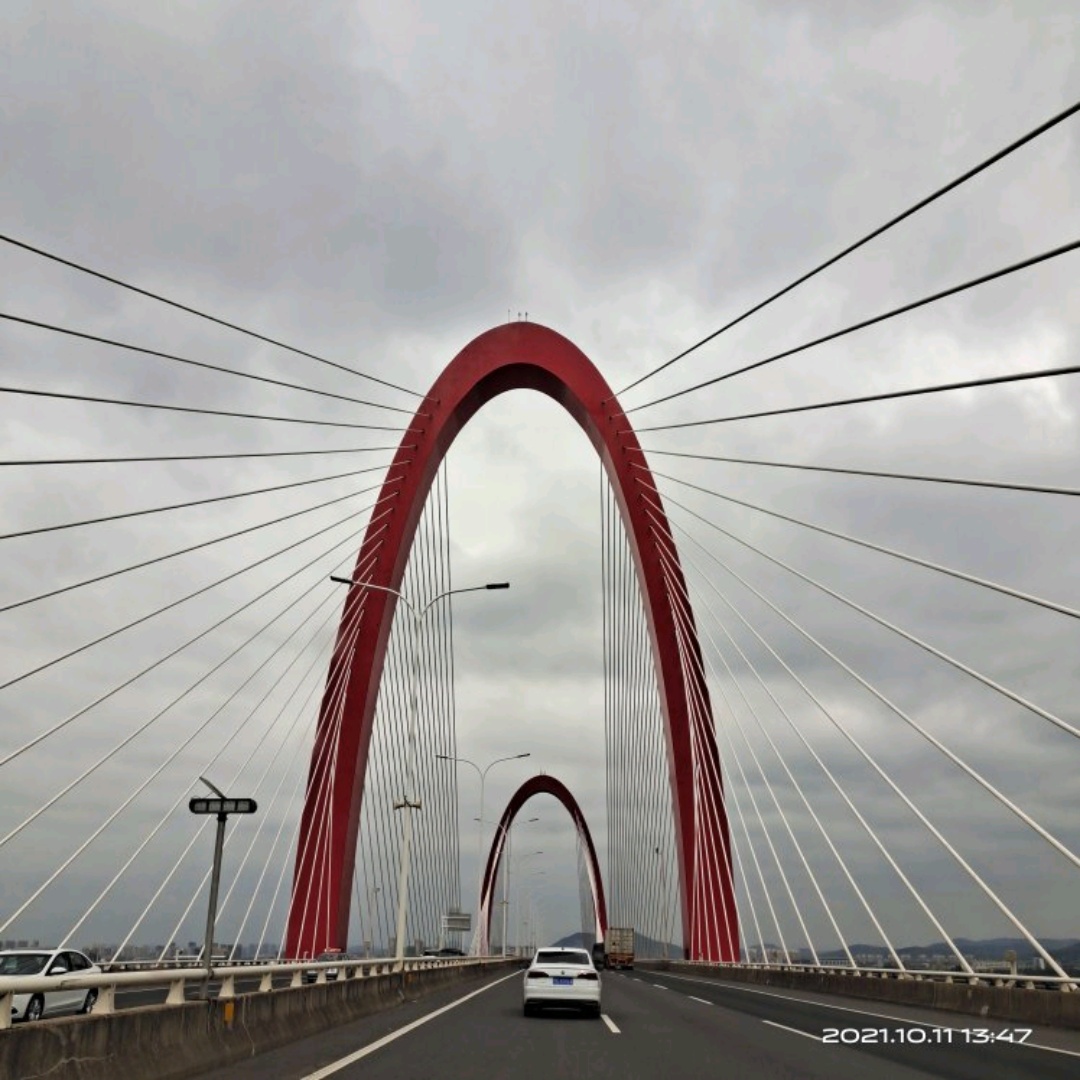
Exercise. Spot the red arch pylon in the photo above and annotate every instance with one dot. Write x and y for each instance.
(541, 785)
(514, 356)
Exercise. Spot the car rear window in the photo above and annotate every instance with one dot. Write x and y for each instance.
(562, 956)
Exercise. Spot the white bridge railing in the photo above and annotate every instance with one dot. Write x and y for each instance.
(148, 974)
(1023, 981)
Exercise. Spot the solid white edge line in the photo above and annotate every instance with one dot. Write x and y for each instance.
(702, 1000)
(794, 1031)
(341, 1063)
(858, 1012)
(610, 1023)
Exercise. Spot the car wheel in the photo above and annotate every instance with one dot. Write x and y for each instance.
(526, 1009)
(35, 1008)
(88, 1004)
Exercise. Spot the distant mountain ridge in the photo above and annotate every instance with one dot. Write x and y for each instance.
(1065, 950)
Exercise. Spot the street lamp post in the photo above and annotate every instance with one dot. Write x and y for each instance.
(526, 909)
(482, 773)
(372, 893)
(221, 807)
(506, 876)
(407, 803)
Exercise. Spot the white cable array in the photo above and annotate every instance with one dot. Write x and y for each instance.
(738, 810)
(207, 767)
(934, 831)
(772, 793)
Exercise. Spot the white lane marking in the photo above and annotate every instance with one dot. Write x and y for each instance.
(858, 1012)
(659, 987)
(341, 1063)
(1052, 1049)
(794, 1031)
(702, 1000)
(610, 1023)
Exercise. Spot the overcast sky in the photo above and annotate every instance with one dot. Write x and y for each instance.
(378, 184)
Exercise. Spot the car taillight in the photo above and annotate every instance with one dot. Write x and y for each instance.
(589, 975)
(536, 975)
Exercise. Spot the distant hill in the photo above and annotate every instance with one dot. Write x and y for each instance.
(1065, 950)
(644, 946)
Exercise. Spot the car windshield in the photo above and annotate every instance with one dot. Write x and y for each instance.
(562, 956)
(23, 963)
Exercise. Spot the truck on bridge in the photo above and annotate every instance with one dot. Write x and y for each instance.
(620, 947)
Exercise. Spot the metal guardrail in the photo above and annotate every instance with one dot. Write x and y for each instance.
(177, 978)
(1023, 981)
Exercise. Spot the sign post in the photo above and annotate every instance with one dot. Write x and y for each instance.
(222, 807)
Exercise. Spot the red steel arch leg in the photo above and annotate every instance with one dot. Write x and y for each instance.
(511, 357)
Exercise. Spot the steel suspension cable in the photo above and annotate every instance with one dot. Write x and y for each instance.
(455, 832)
(776, 802)
(206, 768)
(685, 600)
(189, 596)
(161, 888)
(966, 481)
(56, 797)
(653, 771)
(910, 721)
(911, 888)
(338, 667)
(609, 818)
(168, 656)
(186, 550)
(825, 769)
(994, 158)
(290, 769)
(186, 505)
(972, 873)
(217, 755)
(147, 458)
(926, 564)
(138, 790)
(795, 783)
(715, 814)
(994, 275)
(56, 395)
(452, 836)
(888, 395)
(914, 639)
(231, 832)
(52, 257)
(712, 812)
(326, 749)
(204, 365)
(303, 708)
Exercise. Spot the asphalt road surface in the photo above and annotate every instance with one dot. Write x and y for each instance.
(666, 1027)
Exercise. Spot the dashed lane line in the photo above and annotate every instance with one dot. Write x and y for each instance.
(859, 1012)
(702, 1000)
(794, 1031)
(610, 1023)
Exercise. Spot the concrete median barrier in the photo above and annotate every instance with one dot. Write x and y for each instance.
(169, 1042)
(1050, 1008)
